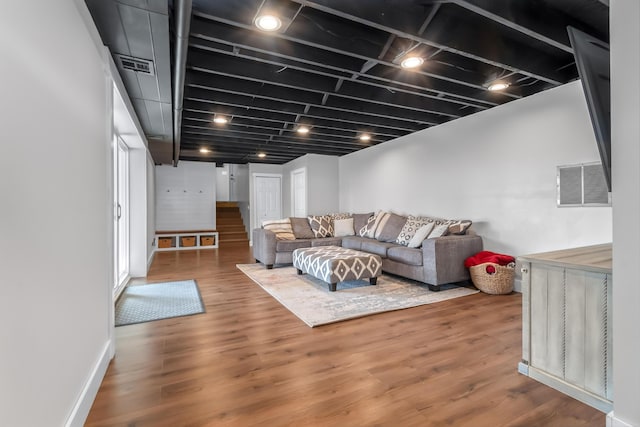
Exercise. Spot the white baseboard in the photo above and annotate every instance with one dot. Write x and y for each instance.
(150, 260)
(83, 405)
(612, 421)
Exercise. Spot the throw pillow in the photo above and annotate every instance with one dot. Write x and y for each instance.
(458, 226)
(335, 216)
(369, 230)
(343, 227)
(360, 220)
(281, 227)
(439, 231)
(410, 228)
(321, 225)
(301, 228)
(420, 234)
(389, 227)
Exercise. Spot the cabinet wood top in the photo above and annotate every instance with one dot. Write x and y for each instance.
(594, 258)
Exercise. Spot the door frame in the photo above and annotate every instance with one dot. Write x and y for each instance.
(257, 175)
(120, 282)
(302, 170)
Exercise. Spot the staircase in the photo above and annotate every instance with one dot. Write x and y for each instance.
(229, 223)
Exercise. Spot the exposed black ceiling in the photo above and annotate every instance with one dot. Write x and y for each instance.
(334, 66)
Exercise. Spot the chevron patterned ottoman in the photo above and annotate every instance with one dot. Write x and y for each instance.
(333, 264)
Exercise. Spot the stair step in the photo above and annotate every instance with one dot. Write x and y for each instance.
(226, 204)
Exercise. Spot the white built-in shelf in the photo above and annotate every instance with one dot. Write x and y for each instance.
(186, 240)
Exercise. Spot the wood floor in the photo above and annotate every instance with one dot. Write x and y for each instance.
(248, 361)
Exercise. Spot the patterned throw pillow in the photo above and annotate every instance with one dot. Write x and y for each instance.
(281, 227)
(337, 216)
(321, 225)
(369, 230)
(410, 228)
(458, 226)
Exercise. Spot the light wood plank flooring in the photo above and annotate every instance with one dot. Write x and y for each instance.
(248, 361)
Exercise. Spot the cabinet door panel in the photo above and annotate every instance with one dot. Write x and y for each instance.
(596, 331)
(575, 327)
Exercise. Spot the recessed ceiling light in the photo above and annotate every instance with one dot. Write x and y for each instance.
(302, 129)
(262, 155)
(220, 120)
(498, 85)
(268, 22)
(365, 137)
(412, 62)
(205, 150)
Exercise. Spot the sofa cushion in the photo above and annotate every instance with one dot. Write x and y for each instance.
(353, 242)
(360, 220)
(301, 228)
(389, 227)
(321, 225)
(421, 234)
(375, 247)
(281, 228)
(405, 255)
(290, 245)
(343, 227)
(327, 241)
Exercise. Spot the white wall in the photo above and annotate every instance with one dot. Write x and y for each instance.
(497, 168)
(239, 174)
(625, 112)
(186, 196)
(56, 217)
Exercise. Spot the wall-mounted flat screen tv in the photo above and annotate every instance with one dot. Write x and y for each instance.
(592, 60)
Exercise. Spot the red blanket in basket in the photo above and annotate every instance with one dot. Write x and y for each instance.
(487, 256)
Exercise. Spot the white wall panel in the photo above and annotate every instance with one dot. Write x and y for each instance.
(186, 196)
(56, 269)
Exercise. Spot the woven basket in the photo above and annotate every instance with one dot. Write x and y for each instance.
(498, 283)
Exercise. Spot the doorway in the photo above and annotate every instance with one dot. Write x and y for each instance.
(121, 214)
(267, 195)
(299, 192)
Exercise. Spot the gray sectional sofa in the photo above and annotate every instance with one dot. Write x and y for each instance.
(437, 261)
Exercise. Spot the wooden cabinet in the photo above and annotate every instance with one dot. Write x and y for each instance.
(566, 322)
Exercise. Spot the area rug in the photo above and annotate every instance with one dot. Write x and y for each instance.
(155, 301)
(310, 299)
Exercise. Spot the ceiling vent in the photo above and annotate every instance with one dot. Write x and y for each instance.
(138, 65)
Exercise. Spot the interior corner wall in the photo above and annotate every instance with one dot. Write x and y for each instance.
(56, 257)
(186, 196)
(322, 183)
(496, 167)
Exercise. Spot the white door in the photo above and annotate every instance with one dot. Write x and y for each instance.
(121, 226)
(267, 197)
(299, 192)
